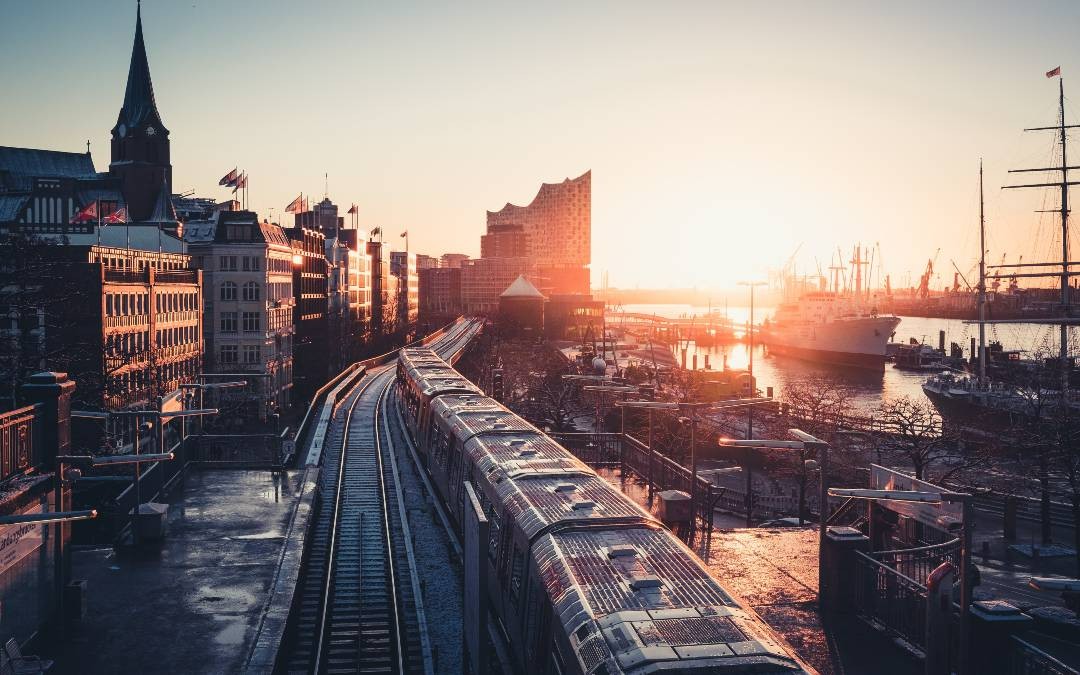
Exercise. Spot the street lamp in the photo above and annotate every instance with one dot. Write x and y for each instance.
(803, 441)
(750, 411)
(692, 407)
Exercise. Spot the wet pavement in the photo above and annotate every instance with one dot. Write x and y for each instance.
(191, 604)
(774, 571)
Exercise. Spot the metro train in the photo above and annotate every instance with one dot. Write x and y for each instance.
(581, 579)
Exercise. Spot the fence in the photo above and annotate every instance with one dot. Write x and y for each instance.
(893, 600)
(609, 450)
(918, 563)
(19, 449)
(1028, 659)
(251, 451)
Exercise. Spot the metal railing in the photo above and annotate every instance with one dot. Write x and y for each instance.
(891, 599)
(253, 451)
(19, 448)
(1027, 659)
(918, 563)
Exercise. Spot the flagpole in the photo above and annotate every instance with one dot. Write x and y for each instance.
(98, 223)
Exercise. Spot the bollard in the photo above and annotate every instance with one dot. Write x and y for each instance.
(1009, 526)
(993, 623)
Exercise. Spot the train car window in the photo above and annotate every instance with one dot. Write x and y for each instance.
(516, 571)
(493, 541)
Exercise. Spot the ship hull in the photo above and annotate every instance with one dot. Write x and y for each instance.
(964, 410)
(854, 343)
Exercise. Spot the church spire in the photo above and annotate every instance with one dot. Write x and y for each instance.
(139, 106)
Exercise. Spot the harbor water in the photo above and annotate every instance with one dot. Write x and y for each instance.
(866, 388)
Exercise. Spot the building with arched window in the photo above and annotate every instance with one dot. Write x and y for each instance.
(248, 322)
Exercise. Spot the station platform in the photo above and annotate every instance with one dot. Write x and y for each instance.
(193, 603)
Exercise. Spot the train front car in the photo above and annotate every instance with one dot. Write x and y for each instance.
(635, 600)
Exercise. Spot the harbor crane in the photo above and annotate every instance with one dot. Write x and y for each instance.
(923, 291)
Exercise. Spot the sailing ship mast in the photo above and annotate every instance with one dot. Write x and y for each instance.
(982, 280)
(1063, 185)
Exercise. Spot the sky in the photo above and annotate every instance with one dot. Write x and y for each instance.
(722, 136)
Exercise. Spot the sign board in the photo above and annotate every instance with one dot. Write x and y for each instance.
(19, 541)
(946, 516)
(474, 553)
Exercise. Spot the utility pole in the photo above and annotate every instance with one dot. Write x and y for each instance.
(749, 498)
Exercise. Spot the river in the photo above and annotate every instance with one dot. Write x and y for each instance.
(867, 389)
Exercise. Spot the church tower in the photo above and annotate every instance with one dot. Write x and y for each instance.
(140, 141)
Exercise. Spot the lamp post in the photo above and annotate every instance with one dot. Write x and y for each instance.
(804, 441)
(750, 410)
(141, 424)
(690, 418)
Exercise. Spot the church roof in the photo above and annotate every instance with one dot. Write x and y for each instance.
(19, 165)
(139, 105)
(521, 288)
(163, 209)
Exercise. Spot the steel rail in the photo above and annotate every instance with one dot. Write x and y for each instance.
(335, 518)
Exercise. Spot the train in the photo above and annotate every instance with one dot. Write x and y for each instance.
(581, 579)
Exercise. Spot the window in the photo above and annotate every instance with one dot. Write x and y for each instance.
(251, 291)
(251, 353)
(228, 290)
(228, 322)
(228, 353)
(227, 263)
(256, 264)
(252, 322)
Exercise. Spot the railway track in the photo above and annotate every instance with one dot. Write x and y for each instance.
(358, 605)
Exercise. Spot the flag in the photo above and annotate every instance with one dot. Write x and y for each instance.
(295, 205)
(1056, 72)
(241, 182)
(117, 216)
(377, 230)
(353, 209)
(228, 179)
(405, 233)
(88, 212)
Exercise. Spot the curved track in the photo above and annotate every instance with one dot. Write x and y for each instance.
(359, 606)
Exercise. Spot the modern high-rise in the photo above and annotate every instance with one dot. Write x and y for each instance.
(406, 289)
(557, 228)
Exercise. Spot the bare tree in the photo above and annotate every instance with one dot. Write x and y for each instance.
(910, 431)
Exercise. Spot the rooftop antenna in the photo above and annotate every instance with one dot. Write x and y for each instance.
(326, 186)
(88, 146)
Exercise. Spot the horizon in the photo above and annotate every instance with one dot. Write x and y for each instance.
(429, 119)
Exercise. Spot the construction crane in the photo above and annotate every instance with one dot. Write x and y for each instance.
(923, 291)
(957, 277)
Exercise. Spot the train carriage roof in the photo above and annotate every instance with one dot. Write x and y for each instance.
(537, 499)
(637, 597)
(467, 423)
(449, 404)
(433, 384)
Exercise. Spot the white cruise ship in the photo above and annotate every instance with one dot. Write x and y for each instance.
(833, 328)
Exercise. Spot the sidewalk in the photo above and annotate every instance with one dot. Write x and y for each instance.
(192, 604)
(775, 572)
(1005, 573)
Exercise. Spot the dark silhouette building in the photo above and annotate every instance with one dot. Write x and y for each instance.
(311, 363)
